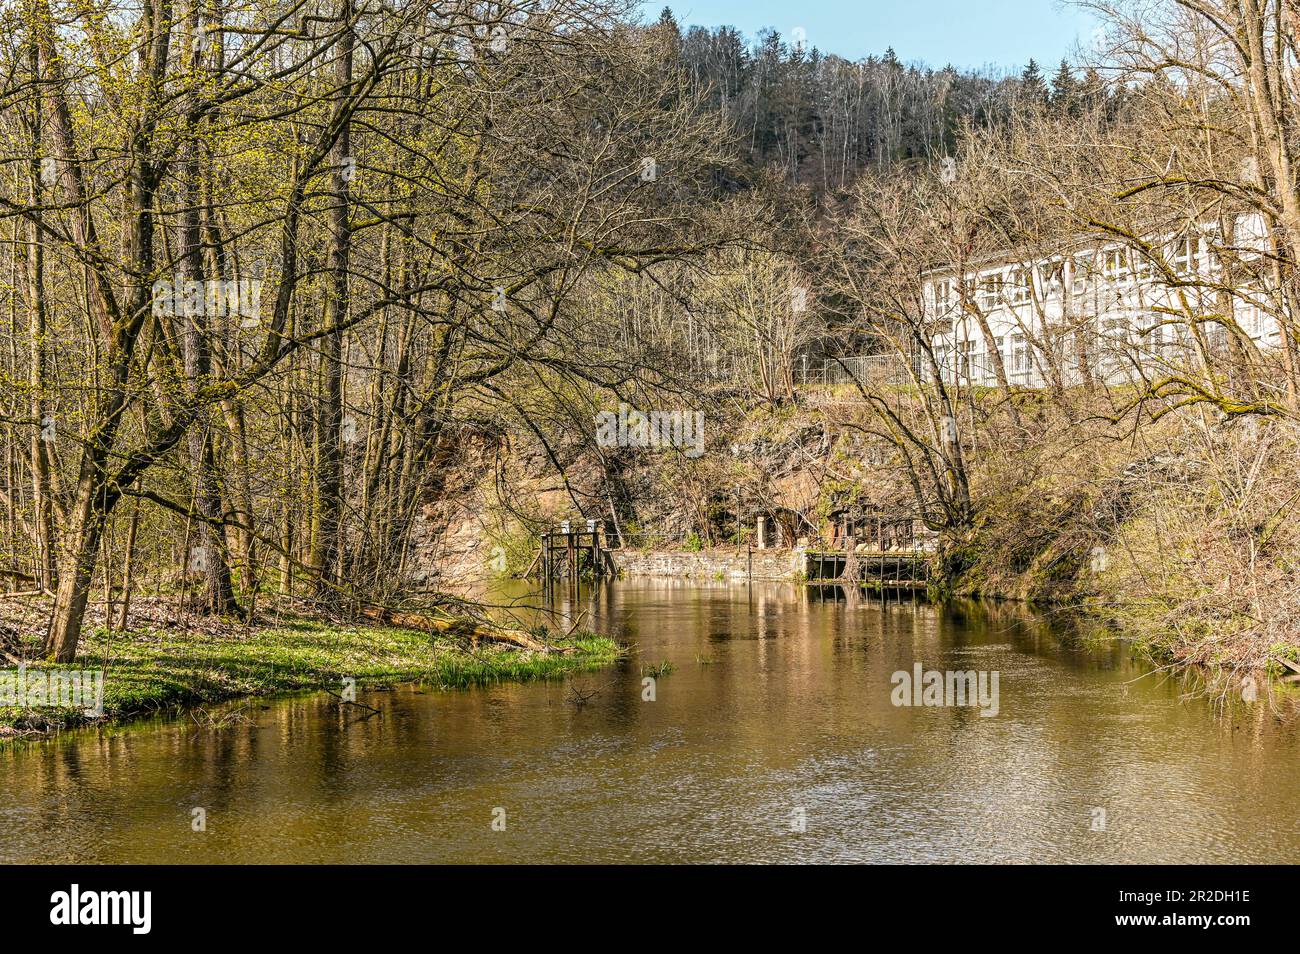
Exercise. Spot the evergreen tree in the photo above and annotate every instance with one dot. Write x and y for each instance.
(667, 33)
(1092, 90)
(1065, 90)
(1033, 88)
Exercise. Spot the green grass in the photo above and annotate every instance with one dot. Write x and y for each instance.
(170, 670)
(658, 670)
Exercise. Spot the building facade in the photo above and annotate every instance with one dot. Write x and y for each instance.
(1104, 309)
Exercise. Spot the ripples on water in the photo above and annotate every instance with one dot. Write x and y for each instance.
(777, 709)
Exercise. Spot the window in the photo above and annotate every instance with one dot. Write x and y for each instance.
(942, 356)
(1080, 274)
(1116, 330)
(1051, 277)
(1187, 253)
(989, 291)
(1019, 286)
(942, 295)
(1144, 270)
(1019, 355)
(1176, 342)
(965, 350)
(1114, 264)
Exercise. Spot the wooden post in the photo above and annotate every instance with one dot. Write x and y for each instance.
(738, 518)
(595, 550)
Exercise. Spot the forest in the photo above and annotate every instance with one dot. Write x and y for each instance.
(277, 276)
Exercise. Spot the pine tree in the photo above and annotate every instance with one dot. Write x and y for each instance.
(1032, 85)
(668, 33)
(1065, 90)
(1092, 91)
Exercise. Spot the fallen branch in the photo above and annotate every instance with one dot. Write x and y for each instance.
(576, 623)
(529, 572)
(580, 696)
(353, 702)
(472, 630)
(1288, 663)
(8, 642)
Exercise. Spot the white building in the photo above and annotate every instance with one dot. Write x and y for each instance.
(1102, 306)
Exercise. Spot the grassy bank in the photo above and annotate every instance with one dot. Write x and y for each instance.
(168, 670)
(1186, 545)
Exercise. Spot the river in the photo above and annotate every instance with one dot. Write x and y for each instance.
(774, 737)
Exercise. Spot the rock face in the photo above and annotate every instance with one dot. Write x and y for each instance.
(487, 488)
(450, 546)
(447, 547)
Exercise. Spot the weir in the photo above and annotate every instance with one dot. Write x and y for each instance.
(568, 552)
(872, 546)
(886, 570)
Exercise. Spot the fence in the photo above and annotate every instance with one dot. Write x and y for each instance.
(869, 370)
(1113, 358)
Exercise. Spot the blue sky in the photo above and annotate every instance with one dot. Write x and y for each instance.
(966, 33)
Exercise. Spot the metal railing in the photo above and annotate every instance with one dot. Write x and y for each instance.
(1112, 358)
(879, 370)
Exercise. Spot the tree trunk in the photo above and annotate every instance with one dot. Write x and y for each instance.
(39, 370)
(218, 596)
(328, 509)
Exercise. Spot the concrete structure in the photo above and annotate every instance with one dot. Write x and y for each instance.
(724, 563)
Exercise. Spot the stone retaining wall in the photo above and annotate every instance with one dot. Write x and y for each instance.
(721, 563)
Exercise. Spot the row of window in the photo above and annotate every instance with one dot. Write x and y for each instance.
(1015, 286)
(967, 359)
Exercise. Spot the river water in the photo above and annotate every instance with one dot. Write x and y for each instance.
(773, 737)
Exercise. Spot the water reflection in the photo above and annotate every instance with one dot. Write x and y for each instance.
(777, 708)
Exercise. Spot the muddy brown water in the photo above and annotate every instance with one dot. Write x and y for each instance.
(774, 737)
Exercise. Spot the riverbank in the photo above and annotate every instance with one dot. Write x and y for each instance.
(173, 669)
(1180, 538)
